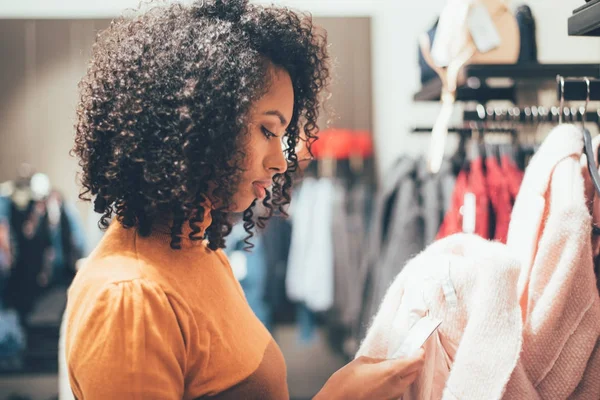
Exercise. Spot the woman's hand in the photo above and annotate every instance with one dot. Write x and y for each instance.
(373, 379)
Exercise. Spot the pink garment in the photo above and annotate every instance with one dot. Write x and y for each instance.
(469, 283)
(594, 207)
(550, 234)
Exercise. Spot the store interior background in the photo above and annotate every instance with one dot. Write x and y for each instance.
(44, 51)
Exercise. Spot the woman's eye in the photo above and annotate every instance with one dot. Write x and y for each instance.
(268, 133)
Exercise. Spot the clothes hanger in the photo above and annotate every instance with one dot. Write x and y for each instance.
(587, 141)
(449, 79)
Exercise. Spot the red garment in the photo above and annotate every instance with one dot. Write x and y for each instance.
(478, 186)
(472, 181)
(452, 222)
(335, 143)
(342, 144)
(513, 174)
(500, 197)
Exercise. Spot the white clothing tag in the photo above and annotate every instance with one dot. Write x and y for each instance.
(448, 288)
(468, 211)
(416, 337)
(239, 266)
(482, 29)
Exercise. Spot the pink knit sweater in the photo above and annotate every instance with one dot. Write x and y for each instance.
(550, 234)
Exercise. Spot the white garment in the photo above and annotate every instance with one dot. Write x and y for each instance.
(310, 275)
(470, 284)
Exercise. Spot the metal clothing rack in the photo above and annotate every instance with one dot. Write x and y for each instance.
(576, 89)
(466, 130)
(530, 115)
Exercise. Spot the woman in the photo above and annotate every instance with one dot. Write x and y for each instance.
(188, 114)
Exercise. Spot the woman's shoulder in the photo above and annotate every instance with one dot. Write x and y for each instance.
(117, 326)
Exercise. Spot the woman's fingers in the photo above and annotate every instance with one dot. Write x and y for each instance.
(406, 365)
(393, 377)
(401, 373)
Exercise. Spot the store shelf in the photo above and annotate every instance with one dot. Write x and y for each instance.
(433, 89)
(585, 20)
(474, 76)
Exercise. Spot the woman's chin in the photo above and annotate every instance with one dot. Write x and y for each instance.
(242, 204)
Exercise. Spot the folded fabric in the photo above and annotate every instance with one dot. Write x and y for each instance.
(470, 284)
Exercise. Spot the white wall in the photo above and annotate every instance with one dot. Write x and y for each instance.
(396, 25)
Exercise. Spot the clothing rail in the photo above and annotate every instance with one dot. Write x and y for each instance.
(531, 115)
(463, 130)
(576, 89)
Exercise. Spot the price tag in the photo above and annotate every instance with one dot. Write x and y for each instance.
(416, 337)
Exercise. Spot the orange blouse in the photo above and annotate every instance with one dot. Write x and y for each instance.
(148, 322)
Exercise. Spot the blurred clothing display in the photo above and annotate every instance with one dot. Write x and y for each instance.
(41, 239)
(250, 268)
(310, 276)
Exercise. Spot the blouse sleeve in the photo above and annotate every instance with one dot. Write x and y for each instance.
(126, 344)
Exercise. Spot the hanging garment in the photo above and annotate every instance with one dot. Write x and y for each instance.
(452, 222)
(478, 186)
(67, 238)
(310, 271)
(499, 195)
(395, 235)
(469, 283)
(252, 270)
(349, 236)
(470, 182)
(277, 237)
(436, 196)
(32, 256)
(550, 234)
(513, 174)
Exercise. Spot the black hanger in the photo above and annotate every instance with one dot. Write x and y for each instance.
(589, 151)
(592, 167)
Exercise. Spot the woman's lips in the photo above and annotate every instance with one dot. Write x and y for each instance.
(260, 189)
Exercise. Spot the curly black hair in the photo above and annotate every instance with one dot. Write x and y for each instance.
(164, 106)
